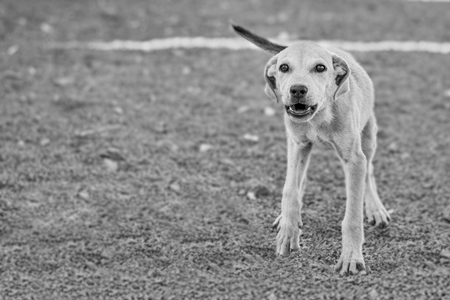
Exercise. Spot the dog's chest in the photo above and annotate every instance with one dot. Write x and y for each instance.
(319, 140)
(305, 133)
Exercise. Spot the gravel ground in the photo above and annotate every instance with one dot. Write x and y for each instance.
(126, 175)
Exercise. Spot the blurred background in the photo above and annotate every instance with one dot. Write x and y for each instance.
(135, 175)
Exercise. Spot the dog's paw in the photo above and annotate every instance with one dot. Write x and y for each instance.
(378, 217)
(351, 263)
(288, 236)
(277, 223)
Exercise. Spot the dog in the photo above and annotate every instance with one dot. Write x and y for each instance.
(329, 103)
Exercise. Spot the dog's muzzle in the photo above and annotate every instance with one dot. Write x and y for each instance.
(300, 110)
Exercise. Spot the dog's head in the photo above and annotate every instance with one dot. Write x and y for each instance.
(303, 76)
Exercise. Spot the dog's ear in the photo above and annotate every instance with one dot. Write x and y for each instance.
(270, 72)
(342, 72)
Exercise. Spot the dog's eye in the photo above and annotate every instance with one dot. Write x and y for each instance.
(284, 68)
(320, 68)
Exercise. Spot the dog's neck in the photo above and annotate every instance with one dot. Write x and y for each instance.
(319, 130)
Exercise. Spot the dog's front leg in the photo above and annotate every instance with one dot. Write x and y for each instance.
(290, 221)
(355, 168)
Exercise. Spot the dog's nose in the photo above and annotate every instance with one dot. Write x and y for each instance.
(298, 91)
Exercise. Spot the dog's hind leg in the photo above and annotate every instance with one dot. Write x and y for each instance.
(290, 221)
(376, 213)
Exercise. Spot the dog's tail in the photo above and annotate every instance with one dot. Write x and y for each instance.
(258, 40)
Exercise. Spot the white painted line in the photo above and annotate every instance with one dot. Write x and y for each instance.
(436, 1)
(241, 44)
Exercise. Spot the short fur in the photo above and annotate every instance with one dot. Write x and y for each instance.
(344, 120)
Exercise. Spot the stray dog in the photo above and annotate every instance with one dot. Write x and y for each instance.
(329, 101)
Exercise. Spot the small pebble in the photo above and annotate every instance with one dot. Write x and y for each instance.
(44, 142)
(186, 70)
(118, 110)
(174, 186)
(405, 155)
(32, 71)
(272, 297)
(84, 194)
(63, 81)
(445, 253)
(205, 147)
(47, 28)
(111, 165)
(393, 147)
(251, 137)
(241, 192)
(251, 196)
(13, 50)
(447, 93)
(373, 294)
(430, 265)
(243, 109)
(167, 145)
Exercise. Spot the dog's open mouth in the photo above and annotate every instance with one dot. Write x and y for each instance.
(300, 110)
